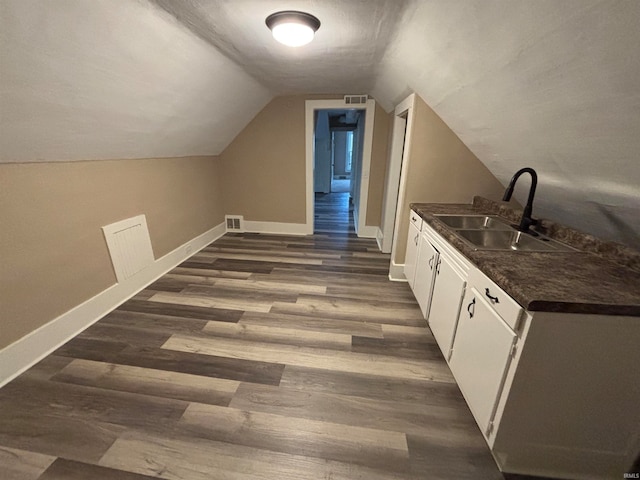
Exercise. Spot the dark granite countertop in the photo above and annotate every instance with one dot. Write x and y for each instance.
(597, 278)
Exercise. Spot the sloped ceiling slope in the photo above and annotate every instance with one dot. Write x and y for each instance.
(106, 79)
(341, 59)
(550, 84)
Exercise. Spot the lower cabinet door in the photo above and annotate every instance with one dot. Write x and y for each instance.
(411, 255)
(480, 357)
(448, 288)
(425, 273)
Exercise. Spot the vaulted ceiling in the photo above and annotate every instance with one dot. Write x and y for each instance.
(551, 84)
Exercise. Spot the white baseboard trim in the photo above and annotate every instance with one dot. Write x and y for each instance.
(379, 237)
(276, 228)
(396, 272)
(33, 347)
(356, 222)
(368, 232)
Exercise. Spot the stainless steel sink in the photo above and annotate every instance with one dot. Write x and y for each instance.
(473, 222)
(510, 240)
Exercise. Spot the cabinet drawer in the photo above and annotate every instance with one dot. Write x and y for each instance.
(505, 306)
(415, 220)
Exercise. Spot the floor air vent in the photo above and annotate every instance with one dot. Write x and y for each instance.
(355, 99)
(235, 223)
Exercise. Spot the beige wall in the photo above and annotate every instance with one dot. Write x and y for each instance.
(441, 170)
(379, 159)
(54, 255)
(264, 167)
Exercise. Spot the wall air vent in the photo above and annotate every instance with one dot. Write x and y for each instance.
(129, 246)
(235, 223)
(355, 99)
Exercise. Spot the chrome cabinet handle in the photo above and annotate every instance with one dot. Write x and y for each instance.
(416, 239)
(438, 266)
(471, 308)
(488, 294)
(431, 262)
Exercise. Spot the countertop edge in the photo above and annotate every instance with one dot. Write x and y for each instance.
(427, 212)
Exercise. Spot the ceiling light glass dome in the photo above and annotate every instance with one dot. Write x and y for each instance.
(292, 28)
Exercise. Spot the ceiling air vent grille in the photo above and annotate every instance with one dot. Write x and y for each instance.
(235, 223)
(355, 99)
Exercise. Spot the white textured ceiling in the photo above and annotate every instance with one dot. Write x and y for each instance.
(342, 58)
(552, 84)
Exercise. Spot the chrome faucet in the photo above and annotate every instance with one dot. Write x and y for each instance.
(526, 221)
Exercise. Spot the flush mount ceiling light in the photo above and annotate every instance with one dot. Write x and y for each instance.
(292, 28)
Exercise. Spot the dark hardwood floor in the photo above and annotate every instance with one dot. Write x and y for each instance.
(260, 357)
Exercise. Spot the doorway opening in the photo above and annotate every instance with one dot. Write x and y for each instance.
(342, 152)
(394, 195)
(338, 157)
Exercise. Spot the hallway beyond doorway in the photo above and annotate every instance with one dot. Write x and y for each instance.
(340, 185)
(334, 214)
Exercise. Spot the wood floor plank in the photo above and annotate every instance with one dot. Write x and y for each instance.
(91, 349)
(49, 398)
(311, 357)
(257, 257)
(166, 284)
(47, 367)
(328, 279)
(208, 273)
(228, 266)
(240, 265)
(406, 333)
(439, 460)
(332, 441)
(396, 348)
(429, 421)
(279, 249)
(155, 323)
(268, 285)
(124, 334)
(73, 438)
(272, 334)
(63, 469)
(181, 310)
(210, 302)
(367, 292)
(379, 386)
(333, 309)
(201, 459)
(371, 308)
(242, 296)
(16, 464)
(309, 323)
(204, 365)
(147, 381)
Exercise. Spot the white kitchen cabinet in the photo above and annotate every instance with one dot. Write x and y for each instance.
(437, 277)
(426, 265)
(480, 356)
(411, 255)
(554, 394)
(448, 290)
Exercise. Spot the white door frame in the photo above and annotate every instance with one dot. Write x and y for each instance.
(395, 187)
(310, 107)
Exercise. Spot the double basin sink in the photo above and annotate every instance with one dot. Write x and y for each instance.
(489, 232)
